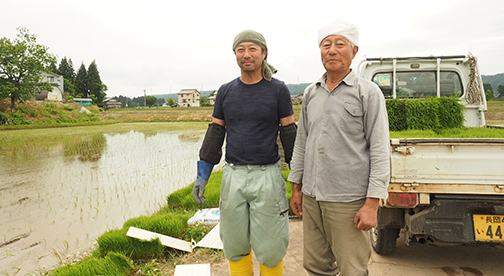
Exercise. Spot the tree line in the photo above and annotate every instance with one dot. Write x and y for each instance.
(23, 62)
(491, 95)
(151, 101)
(86, 83)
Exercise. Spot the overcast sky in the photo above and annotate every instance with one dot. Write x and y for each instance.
(163, 46)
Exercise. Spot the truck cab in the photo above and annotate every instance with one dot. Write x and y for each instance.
(432, 76)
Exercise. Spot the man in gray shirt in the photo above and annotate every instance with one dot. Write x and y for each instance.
(340, 166)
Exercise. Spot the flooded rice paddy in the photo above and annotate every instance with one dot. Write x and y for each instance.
(62, 188)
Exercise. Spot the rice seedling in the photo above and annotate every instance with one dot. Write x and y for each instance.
(114, 264)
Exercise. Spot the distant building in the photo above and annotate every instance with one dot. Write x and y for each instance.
(188, 98)
(111, 103)
(211, 99)
(56, 82)
(297, 99)
(83, 101)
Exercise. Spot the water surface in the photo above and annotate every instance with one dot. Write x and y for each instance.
(62, 188)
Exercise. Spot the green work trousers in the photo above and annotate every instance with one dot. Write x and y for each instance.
(254, 213)
(330, 237)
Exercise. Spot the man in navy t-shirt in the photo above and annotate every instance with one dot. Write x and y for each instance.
(251, 109)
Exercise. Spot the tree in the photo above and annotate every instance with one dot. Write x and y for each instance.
(489, 95)
(22, 63)
(150, 101)
(94, 83)
(125, 101)
(66, 69)
(171, 102)
(52, 68)
(68, 87)
(500, 89)
(160, 101)
(204, 101)
(137, 101)
(81, 90)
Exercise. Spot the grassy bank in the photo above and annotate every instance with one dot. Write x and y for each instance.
(54, 114)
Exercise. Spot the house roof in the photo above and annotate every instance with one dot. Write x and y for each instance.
(188, 91)
(110, 100)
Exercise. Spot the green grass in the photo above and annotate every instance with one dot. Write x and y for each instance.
(114, 264)
(450, 133)
(48, 114)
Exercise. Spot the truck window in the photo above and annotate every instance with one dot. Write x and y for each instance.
(419, 84)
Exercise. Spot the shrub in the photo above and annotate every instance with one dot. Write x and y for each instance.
(52, 108)
(28, 111)
(114, 264)
(17, 119)
(3, 119)
(68, 108)
(65, 119)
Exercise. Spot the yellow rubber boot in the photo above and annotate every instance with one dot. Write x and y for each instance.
(243, 267)
(272, 271)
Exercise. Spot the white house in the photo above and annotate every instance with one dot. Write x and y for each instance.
(56, 82)
(211, 99)
(188, 98)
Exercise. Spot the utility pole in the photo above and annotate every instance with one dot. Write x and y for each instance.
(145, 96)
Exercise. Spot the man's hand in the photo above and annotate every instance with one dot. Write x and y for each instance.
(296, 202)
(367, 216)
(198, 192)
(204, 171)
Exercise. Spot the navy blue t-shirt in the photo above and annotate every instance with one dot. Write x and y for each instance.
(252, 114)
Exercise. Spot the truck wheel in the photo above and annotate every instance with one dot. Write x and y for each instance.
(383, 240)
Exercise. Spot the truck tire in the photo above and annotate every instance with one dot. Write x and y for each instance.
(383, 240)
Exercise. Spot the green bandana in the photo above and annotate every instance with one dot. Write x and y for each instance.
(257, 38)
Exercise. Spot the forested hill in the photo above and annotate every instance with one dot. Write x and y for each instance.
(494, 80)
(296, 89)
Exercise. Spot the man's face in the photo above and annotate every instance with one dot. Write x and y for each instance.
(337, 53)
(249, 56)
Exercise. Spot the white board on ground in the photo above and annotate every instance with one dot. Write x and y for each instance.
(141, 234)
(212, 239)
(192, 270)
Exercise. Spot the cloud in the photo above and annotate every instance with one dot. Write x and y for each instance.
(164, 46)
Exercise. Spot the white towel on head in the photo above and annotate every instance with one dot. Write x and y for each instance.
(340, 27)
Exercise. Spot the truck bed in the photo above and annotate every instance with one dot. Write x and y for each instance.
(447, 165)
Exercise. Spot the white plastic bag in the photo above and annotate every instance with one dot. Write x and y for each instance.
(207, 216)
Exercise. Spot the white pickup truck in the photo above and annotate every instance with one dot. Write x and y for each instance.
(442, 191)
(432, 76)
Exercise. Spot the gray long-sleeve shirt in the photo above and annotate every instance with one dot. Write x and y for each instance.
(342, 148)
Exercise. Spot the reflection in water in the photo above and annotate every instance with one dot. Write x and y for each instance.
(60, 189)
(86, 148)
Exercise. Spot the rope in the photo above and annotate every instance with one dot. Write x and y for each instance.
(473, 94)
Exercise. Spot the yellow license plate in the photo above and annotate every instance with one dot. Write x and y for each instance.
(488, 227)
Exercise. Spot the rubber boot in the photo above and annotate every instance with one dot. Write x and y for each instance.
(272, 271)
(243, 267)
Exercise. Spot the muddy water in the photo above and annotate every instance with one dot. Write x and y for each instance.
(62, 188)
